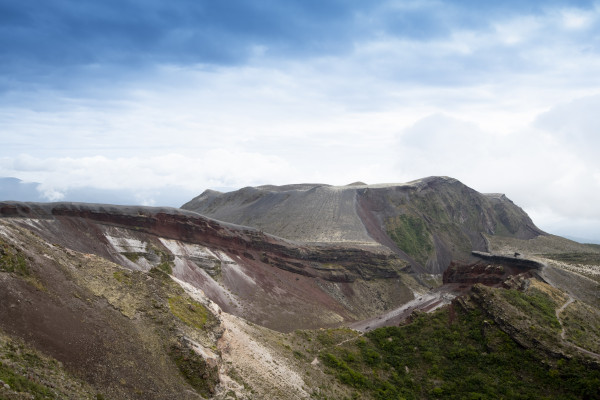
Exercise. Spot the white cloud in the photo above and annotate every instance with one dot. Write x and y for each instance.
(221, 167)
(577, 19)
(49, 193)
(544, 173)
(517, 30)
(583, 229)
(481, 105)
(575, 124)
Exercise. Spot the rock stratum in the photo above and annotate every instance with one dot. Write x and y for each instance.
(427, 222)
(277, 283)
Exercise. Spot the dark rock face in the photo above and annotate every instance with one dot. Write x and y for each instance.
(489, 270)
(437, 220)
(479, 272)
(428, 222)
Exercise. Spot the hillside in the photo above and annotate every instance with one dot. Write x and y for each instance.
(74, 325)
(427, 222)
(267, 280)
(127, 302)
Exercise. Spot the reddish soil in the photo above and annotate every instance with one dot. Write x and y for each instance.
(92, 339)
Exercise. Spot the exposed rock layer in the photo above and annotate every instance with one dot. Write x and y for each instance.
(268, 280)
(490, 270)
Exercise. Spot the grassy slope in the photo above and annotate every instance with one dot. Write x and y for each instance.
(30, 374)
(411, 235)
(460, 352)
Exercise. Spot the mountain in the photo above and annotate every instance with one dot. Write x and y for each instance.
(428, 222)
(130, 302)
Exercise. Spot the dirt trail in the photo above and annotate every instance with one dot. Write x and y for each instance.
(563, 331)
(558, 311)
(351, 339)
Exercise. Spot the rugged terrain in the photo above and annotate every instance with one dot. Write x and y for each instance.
(112, 302)
(427, 222)
(270, 281)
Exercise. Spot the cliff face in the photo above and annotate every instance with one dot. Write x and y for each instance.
(428, 222)
(489, 270)
(277, 283)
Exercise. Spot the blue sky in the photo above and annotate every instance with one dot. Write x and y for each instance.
(153, 101)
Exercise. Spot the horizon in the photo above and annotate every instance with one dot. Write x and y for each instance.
(150, 103)
(32, 194)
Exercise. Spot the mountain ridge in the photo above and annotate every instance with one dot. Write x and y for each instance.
(427, 222)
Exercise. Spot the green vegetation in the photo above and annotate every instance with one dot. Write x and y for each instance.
(20, 383)
(190, 312)
(411, 235)
(166, 259)
(300, 355)
(123, 277)
(455, 354)
(328, 337)
(434, 205)
(195, 370)
(582, 325)
(166, 267)
(12, 260)
(537, 305)
(31, 375)
(343, 372)
(134, 257)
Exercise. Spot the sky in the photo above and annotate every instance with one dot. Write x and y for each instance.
(152, 102)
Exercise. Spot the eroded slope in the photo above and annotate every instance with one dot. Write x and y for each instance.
(267, 280)
(427, 222)
(75, 325)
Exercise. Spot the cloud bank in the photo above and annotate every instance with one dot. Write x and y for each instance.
(137, 96)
